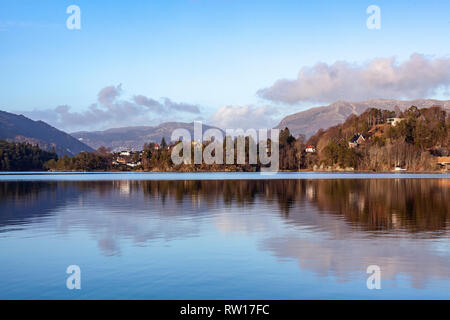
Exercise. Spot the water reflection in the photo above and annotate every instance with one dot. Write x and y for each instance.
(412, 205)
(330, 227)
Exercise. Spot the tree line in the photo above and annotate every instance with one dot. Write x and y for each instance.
(413, 142)
(23, 157)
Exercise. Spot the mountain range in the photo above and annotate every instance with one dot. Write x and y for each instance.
(133, 138)
(309, 121)
(22, 129)
(19, 128)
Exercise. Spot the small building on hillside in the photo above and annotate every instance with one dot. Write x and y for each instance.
(310, 149)
(444, 162)
(134, 164)
(121, 160)
(356, 140)
(125, 153)
(394, 121)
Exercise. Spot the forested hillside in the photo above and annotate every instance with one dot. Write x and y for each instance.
(413, 141)
(309, 121)
(23, 157)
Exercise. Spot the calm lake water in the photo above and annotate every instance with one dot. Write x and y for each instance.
(224, 236)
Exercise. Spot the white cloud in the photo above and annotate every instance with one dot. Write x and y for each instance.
(108, 94)
(166, 105)
(245, 117)
(112, 111)
(418, 77)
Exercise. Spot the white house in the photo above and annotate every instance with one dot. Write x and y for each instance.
(394, 121)
(134, 164)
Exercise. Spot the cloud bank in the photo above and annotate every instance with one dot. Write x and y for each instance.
(111, 111)
(245, 117)
(164, 106)
(418, 77)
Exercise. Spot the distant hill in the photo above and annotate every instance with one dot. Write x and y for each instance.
(133, 138)
(309, 121)
(19, 128)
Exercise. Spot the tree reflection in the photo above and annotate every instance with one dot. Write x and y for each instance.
(413, 205)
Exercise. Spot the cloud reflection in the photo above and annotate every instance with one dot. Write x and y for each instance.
(331, 227)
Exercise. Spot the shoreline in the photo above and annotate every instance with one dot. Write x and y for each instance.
(216, 175)
(228, 172)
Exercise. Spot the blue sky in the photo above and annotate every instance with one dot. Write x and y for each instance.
(210, 53)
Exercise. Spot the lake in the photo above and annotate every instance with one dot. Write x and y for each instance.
(224, 235)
